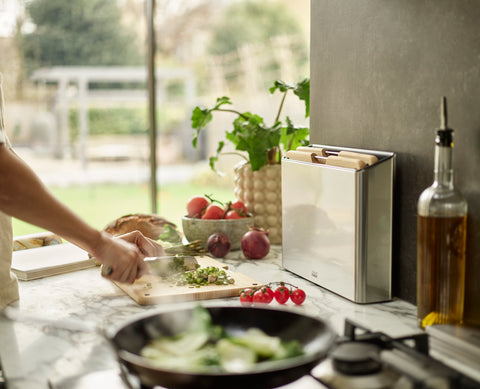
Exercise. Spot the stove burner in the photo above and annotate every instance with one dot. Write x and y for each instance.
(356, 358)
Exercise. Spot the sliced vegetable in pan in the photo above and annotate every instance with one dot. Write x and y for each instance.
(204, 345)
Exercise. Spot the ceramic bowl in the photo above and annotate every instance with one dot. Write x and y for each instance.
(201, 229)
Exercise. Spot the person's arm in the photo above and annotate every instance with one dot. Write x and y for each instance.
(25, 197)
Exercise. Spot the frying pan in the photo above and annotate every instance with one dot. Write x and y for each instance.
(315, 336)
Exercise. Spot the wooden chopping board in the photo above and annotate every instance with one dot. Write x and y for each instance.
(150, 289)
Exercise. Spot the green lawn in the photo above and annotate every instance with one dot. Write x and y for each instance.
(100, 204)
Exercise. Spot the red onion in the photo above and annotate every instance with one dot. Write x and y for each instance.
(219, 244)
(255, 244)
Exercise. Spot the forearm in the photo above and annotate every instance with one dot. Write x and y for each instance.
(24, 196)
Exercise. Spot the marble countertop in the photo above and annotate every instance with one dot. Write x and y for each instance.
(35, 356)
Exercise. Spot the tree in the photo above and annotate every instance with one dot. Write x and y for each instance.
(80, 32)
(252, 21)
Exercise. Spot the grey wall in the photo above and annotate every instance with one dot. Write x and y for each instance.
(378, 71)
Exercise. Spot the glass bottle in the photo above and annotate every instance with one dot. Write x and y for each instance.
(441, 239)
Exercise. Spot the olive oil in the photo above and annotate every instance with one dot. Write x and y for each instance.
(442, 269)
(441, 239)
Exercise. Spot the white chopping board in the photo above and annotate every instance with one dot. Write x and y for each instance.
(151, 289)
(49, 260)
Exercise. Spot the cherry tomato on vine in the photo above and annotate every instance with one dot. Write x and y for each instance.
(282, 294)
(298, 296)
(263, 295)
(213, 211)
(196, 205)
(246, 296)
(270, 292)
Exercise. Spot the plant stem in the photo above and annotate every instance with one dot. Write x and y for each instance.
(234, 153)
(281, 107)
(233, 111)
(272, 153)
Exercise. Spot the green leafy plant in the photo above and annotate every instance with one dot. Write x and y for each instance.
(264, 144)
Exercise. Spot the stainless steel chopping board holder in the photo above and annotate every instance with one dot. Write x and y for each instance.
(337, 225)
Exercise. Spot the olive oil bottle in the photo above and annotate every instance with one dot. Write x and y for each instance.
(441, 239)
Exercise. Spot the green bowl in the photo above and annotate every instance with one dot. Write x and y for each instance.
(201, 229)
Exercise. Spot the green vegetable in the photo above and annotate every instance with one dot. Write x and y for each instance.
(250, 134)
(204, 276)
(170, 235)
(204, 345)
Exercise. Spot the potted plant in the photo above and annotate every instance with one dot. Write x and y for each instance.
(258, 178)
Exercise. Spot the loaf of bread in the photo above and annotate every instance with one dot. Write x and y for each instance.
(150, 225)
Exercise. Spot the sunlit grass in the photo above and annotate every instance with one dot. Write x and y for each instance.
(100, 204)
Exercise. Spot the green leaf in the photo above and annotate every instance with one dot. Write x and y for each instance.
(221, 101)
(170, 234)
(281, 86)
(302, 90)
(200, 118)
(292, 136)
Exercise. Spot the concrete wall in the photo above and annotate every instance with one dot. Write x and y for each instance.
(378, 71)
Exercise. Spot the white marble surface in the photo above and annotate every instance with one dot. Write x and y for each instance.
(33, 355)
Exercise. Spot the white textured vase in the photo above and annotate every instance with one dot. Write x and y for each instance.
(261, 192)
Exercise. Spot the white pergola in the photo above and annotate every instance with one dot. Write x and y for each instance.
(80, 79)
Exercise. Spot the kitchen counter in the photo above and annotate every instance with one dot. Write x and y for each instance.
(35, 356)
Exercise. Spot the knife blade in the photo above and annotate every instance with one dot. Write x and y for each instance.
(165, 266)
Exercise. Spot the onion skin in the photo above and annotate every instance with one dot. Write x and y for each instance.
(219, 244)
(255, 244)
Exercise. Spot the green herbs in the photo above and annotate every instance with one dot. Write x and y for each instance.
(204, 346)
(204, 276)
(251, 134)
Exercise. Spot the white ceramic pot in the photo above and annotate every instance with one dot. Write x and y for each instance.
(261, 191)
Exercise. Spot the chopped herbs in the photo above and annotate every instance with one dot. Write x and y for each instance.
(204, 276)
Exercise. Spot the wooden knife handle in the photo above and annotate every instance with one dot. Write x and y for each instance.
(368, 159)
(350, 163)
(300, 156)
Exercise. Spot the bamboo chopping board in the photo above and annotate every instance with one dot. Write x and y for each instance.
(150, 289)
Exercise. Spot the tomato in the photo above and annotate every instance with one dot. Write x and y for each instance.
(240, 206)
(263, 295)
(270, 293)
(282, 294)
(233, 214)
(298, 296)
(213, 211)
(246, 296)
(196, 206)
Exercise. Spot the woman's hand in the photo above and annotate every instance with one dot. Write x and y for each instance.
(124, 260)
(128, 265)
(148, 247)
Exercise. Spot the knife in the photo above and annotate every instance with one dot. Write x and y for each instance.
(166, 265)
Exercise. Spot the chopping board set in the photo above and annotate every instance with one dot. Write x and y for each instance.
(152, 289)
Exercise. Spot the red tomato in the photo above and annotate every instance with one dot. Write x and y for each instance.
(240, 206)
(196, 206)
(246, 296)
(263, 295)
(270, 293)
(282, 294)
(213, 211)
(233, 214)
(298, 296)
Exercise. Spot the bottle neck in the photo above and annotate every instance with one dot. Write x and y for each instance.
(443, 171)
